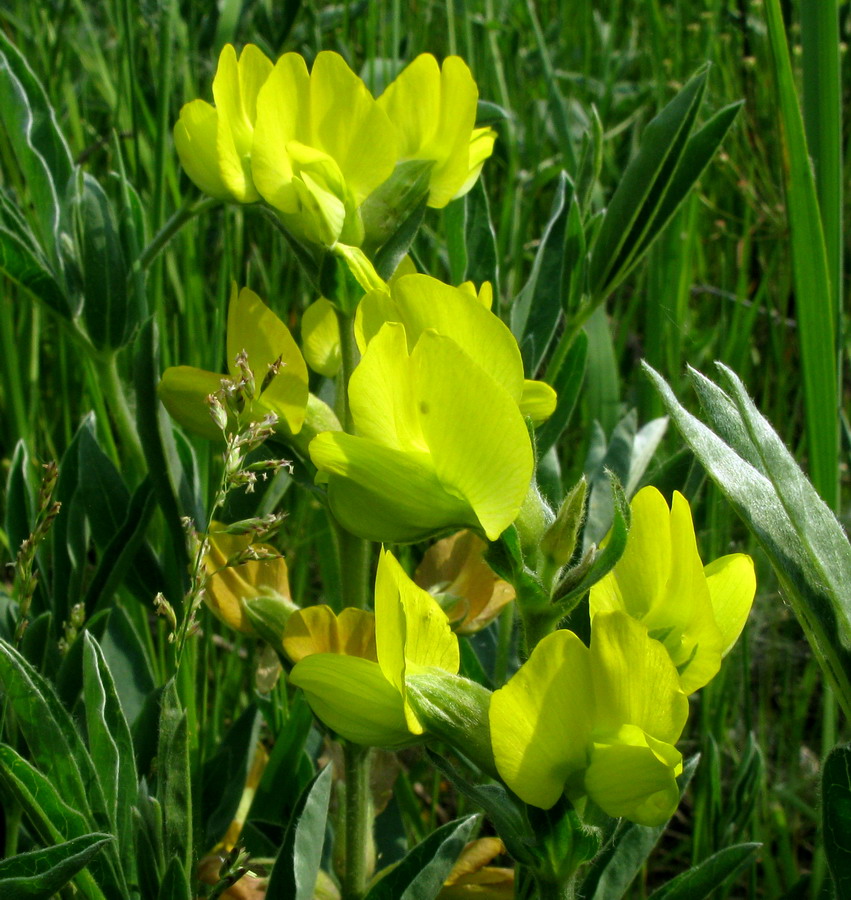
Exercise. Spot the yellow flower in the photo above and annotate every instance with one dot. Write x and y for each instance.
(434, 110)
(357, 687)
(321, 146)
(599, 721)
(470, 592)
(214, 143)
(251, 597)
(696, 611)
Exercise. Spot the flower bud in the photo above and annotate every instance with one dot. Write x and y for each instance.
(454, 709)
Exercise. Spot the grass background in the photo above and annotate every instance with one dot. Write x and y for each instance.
(717, 285)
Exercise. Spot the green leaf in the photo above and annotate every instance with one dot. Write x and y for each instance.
(175, 885)
(482, 253)
(69, 535)
(397, 245)
(40, 874)
(536, 312)
(39, 644)
(804, 543)
(289, 769)
(41, 151)
(705, 878)
(111, 748)
(643, 187)
(421, 873)
(109, 311)
(612, 872)
(24, 264)
(697, 155)
(109, 512)
(174, 785)
(297, 865)
(836, 816)
(129, 662)
(51, 818)
(19, 499)
(50, 733)
(226, 772)
(505, 810)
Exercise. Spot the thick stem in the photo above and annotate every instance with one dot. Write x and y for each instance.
(358, 822)
(355, 555)
(350, 356)
(547, 890)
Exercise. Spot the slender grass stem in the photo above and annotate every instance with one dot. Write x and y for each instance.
(163, 237)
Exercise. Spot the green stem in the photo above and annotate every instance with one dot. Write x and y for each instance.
(547, 890)
(172, 226)
(13, 812)
(358, 821)
(355, 556)
(349, 358)
(110, 383)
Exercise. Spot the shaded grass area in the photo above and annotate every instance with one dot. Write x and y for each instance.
(718, 285)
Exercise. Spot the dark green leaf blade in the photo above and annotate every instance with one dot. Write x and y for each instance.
(421, 873)
(836, 816)
(40, 874)
(297, 865)
(704, 879)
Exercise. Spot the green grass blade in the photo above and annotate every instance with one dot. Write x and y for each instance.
(813, 292)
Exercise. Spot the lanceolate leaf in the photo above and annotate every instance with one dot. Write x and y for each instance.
(24, 265)
(807, 548)
(297, 866)
(643, 185)
(40, 874)
(174, 788)
(836, 812)
(111, 748)
(40, 148)
(420, 875)
(704, 879)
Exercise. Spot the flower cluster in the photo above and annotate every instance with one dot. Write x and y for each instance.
(316, 145)
(431, 435)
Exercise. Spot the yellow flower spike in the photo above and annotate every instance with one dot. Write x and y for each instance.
(362, 697)
(321, 146)
(230, 588)
(439, 443)
(599, 722)
(434, 109)
(697, 612)
(214, 143)
(471, 594)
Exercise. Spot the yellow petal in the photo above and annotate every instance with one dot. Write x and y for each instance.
(538, 401)
(425, 303)
(732, 584)
(634, 776)
(349, 126)
(184, 391)
(283, 116)
(473, 428)
(320, 338)
(195, 137)
(635, 681)
(317, 629)
(253, 327)
(411, 633)
(541, 720)
(352, 697)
